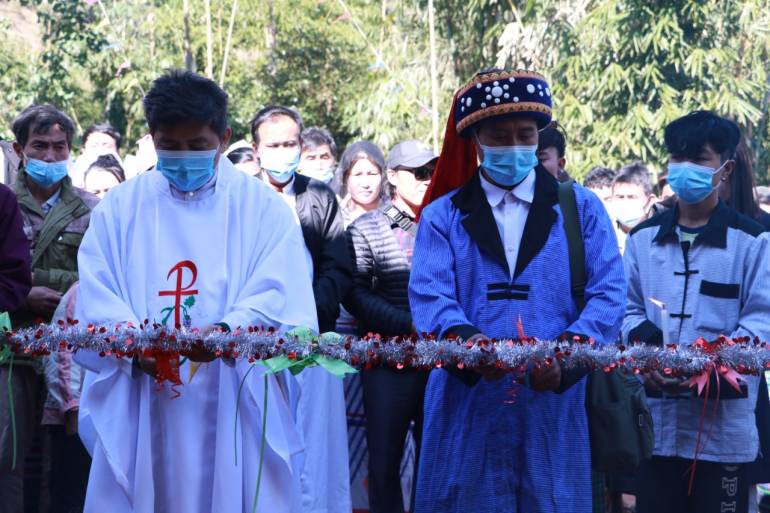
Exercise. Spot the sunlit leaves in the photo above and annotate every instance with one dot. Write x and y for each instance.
(628, 68)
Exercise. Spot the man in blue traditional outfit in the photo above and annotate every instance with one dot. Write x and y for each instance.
(488, 254)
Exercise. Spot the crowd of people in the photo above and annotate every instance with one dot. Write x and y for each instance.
(279, 229)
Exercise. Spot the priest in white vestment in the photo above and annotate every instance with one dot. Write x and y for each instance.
(195, 243)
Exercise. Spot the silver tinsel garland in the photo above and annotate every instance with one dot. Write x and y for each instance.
(745, 356)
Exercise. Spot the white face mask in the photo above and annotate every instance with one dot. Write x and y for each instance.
(317, 170)
(280, 163)
(628, 213)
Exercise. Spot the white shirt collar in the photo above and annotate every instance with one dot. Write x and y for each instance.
(525, 191)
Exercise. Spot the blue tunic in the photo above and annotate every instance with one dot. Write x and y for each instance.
(498, 446)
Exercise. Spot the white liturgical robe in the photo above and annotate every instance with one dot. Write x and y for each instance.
(236, 255)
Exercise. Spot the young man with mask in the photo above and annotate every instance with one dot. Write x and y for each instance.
(632, 199)
(55, 215)
(319, 154)
(710, 266)
(382, 242)
(321, 412)
(552, 149)
(193, 227)
(488, 255)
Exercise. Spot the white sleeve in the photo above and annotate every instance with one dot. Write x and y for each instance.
(278, 290)
(102, 283)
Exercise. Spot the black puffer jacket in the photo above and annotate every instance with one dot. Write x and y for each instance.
(379, 297)
(321, 221)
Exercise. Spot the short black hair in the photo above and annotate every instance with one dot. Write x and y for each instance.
(109, 164)
(181, 96)
(636, 174)
(40, 119)
(241, 155)
(687, 136)
(315, 137)
(599, 178)
(553, 136)
(103, 128)
(270, 111)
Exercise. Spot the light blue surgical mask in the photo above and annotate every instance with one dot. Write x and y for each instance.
(187, 171)
(280, 163)
(324, 175)
(692, 183)
(508, 165)
(45, 174)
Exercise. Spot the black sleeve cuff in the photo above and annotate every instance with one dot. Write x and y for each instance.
(464, 331)
(569, 377)
(646, 332)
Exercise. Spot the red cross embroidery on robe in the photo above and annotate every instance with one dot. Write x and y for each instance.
(180, 308)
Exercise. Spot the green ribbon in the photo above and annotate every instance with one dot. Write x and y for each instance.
(333, 366)
(262, 445)
(5, 325)
(7, 355)
(274, 365)
(336, 368)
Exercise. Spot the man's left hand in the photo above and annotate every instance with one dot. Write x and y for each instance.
(546, 378)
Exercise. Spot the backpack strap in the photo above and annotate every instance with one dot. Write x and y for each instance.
(577, 252)
(397, 217)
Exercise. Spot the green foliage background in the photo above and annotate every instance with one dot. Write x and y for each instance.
(620, 69)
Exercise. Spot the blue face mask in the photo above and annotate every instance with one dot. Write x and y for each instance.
(45, 174)
(280, 163)
(508, 165)
(187, 170)
(692, 183)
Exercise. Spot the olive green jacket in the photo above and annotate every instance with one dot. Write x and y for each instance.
(55, 238)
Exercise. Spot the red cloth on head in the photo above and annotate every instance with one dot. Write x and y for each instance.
(456, 164)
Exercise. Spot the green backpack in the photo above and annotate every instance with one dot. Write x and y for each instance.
(619, 421)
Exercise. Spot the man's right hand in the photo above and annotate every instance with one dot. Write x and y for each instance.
(148, 365)
(43, 301)
(654, 380)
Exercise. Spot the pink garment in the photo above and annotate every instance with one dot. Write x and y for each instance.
(63, 377)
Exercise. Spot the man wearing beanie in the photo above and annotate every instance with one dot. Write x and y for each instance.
(491, 254)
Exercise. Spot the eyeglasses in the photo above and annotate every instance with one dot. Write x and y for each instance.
(420, 173)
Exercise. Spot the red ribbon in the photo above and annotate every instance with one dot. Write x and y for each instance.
(703, 382)
(166, 368)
